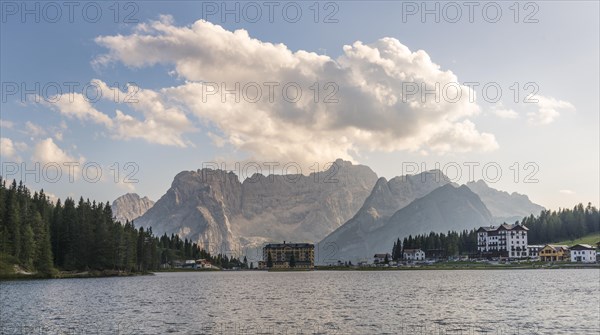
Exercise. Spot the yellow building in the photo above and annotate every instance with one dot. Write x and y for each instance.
(289, 255)
(553, 253)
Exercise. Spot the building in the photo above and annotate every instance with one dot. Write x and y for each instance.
(203, 264)
(554, 253)
(380, 258)
(506, 240)
(413, 255)
(583, 253)
(289, 255)
(534, 251)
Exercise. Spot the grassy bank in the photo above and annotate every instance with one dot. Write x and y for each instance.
(590, 239)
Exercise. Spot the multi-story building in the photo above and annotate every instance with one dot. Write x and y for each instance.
(285, 255)
(506, 240)
(583, 253)
(553, 253)
(413, 255)
(534, 251)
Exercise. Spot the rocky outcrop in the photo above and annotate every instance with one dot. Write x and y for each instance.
(130, 206)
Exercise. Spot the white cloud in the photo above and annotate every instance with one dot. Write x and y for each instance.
(372, 112)
(76, 105)
(46, 151)
(567, 192)
(160, 124)
(548, 110)
(9, 150)
(163, 122)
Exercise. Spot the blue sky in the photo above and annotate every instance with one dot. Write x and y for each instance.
(558, 55)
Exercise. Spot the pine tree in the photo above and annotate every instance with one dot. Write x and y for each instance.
(43, 252)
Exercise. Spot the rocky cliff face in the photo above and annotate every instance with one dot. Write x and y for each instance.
(445, 208)
(198, 206)
(504, 206)
(130, 207)
(216, 210)
(310, 207)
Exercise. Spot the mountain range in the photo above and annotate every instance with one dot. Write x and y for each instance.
(347, 208)
(220, 213)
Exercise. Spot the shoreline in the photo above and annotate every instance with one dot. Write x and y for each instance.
(72, 275)
(461, 267)
(471, 266)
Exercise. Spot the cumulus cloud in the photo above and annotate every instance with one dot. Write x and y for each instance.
(368, 105)
(159, 124)
(548, 110)
(9, 150)
(46, 151)
(163, 122)
(78, 106)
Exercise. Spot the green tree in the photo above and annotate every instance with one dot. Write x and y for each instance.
(43, 252)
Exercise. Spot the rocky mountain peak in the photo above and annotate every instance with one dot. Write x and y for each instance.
(130, 206)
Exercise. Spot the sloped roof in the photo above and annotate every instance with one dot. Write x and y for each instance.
(289, 245)
(412, 251)
(504, 226)
(582, 247)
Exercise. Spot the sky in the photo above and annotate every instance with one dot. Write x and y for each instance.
(103, 98)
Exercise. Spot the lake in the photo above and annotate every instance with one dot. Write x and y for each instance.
(560, 301)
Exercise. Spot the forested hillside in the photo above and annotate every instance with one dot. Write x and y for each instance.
(41, 237)
(548, 227)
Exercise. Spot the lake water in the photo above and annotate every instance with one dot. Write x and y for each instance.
(319, 302)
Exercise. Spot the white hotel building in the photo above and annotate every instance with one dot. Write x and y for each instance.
(506, 240)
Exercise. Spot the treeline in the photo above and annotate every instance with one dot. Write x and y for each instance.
(548, 227)
(561, 225)
(42, 237)
(438, 245)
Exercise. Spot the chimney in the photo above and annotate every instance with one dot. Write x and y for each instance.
(283, 242)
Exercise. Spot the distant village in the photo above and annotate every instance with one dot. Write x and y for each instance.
(505, 243)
